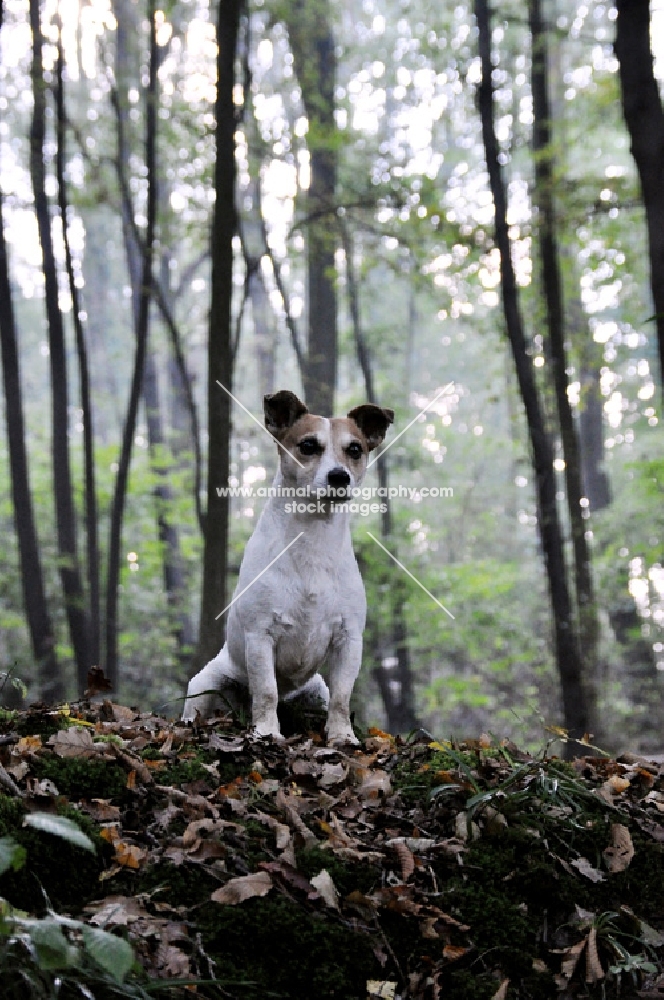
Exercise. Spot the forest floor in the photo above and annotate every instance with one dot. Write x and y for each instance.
(246, 868)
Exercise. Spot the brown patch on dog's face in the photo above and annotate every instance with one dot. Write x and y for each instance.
(350, 445)
(302, 446)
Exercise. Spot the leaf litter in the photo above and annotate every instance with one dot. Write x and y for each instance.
(472, 869)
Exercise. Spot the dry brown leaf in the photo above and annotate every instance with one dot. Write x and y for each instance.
(27, 745)
(453, 952)
(171, 962)
(571, 960)
(594, 970)
(332, 774)
(129, 855)
(244, 887)
(281, 831)
(101, 810)
(97, 682)
(74, 742)
(374, 784)
(406, 859)
(619, 853)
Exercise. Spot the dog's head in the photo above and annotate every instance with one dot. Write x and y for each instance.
(324, 453)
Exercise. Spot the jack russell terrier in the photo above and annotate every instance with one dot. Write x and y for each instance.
(300, 599)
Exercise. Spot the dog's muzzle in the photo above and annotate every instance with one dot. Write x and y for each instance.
(339, 481)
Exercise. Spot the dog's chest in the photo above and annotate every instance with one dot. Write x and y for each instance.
(311, 616)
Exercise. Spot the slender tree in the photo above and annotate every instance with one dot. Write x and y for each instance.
(224, 225)
(578, 709)
(89, 477)
(173, 572)
(62, 482)
(552, 287)
(34, 595)
(399, 699)
(644, 117)
(142, 328)
(312, 43)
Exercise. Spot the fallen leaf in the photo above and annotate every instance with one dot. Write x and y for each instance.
(324, 885)
(619, 853)
(129, 855)
(101, 810)
(406, 859)
(116, 911)
(383, 990)
(97, 682)
(583, 865)
(332, 774)
(244, 887)
(594, 970)
(73, 743)
(27, 745)
(501, 992)
(571, 960)
(453, 952)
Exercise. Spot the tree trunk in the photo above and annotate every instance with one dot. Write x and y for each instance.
(142, 327)
(62, 483)
(89, 484)
(312, 43)
(34, 595)
(644, 117)
(549, 258)
(395, 682)
(224, 223)
(577, 706)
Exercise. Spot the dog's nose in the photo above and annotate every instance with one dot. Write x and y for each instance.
(338, 479)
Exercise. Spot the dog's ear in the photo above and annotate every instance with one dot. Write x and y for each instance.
(281, 410)
(373, 421)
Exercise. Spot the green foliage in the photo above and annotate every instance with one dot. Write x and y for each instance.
(54, 952)
(67, 885)
(59, 826)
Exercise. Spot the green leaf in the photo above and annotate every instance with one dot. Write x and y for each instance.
(59, 826)
(12, 855)
(52, 948)
(112, 953)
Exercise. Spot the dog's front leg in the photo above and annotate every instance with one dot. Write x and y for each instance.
(259, 652)
(344, 663)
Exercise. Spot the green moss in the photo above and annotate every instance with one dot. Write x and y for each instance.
(56, 873)
(347, 876)
(287, 950)
(41, 723)
(83, 778)
(179, 885)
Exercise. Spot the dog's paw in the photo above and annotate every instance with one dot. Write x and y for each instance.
(267, 729)
(342, 736)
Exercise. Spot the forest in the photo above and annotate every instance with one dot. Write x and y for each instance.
(455, 210)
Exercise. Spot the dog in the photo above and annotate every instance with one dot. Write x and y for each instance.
(299, 601)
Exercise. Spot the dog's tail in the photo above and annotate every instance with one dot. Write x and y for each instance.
(210, 688)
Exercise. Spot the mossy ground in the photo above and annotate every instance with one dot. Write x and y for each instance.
(496, 897)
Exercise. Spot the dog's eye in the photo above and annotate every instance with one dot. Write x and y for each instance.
(354, 450)
(309, 446)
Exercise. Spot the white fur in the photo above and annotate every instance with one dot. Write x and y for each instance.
(307, 609)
